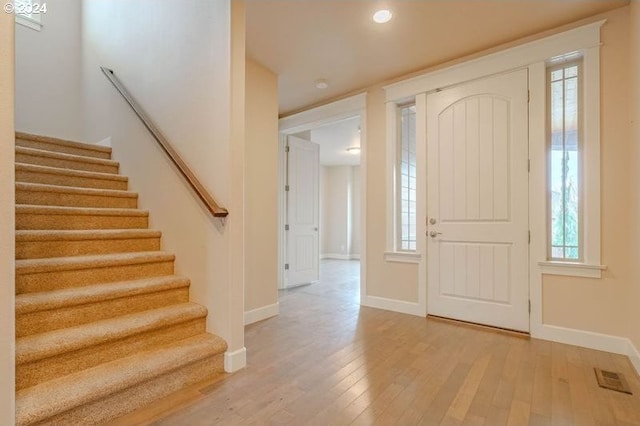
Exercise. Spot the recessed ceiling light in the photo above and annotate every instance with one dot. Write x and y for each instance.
(382, 16)
(322, 83)
(353, 150)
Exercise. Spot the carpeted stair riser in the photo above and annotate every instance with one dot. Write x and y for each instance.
(65, 161)
(32, 217)
(40, 319)
(54, 280)
(74, 178)
(32, 373)
(125, 384)
(142, 394)
(62, 146)
(40, 244)
(48, 195)
(52, 310)
(43, 321)
(66, 349)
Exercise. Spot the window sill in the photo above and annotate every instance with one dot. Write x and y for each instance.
(402, 257)
(571, 269)
(28, 22)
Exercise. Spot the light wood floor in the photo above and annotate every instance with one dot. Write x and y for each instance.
(324, 360)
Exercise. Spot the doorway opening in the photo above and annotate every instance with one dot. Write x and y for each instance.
(322, 204)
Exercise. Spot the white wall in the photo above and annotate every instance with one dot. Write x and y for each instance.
(48, 73)
(340, 211)
(179, 68)
(7, 222)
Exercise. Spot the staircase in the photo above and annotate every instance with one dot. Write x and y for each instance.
(103, 326)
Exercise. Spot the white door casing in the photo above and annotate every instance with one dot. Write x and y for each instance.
(302, 200)
(477, 207)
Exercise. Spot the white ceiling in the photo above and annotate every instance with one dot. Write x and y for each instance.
(304, 40)
(334, 139)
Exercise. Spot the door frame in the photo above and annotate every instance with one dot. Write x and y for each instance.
(353, 106)
(533, 56)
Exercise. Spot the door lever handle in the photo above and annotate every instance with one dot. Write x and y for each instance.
(434, 234)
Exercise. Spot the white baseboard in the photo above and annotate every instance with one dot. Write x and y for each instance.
(586, 339)
(634, 356)
(262, 313)
(340, 256)
(236, 360)
(394, 305)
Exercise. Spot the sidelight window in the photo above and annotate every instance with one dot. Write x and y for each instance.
(406, 179)
(565, 163)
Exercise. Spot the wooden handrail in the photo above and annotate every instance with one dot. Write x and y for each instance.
(198, 188)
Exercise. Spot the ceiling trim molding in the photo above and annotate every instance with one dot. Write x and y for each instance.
(325, 114)
(523, 55)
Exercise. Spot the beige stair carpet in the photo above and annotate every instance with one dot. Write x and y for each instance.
(103, 325)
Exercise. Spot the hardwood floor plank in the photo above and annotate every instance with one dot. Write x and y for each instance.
(460, 406)
(435, 412)
(484, 396)
(542, 392)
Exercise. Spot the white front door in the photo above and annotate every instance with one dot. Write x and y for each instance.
(302, 250)
(477, 204)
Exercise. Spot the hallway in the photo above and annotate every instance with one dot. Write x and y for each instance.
(324, 360)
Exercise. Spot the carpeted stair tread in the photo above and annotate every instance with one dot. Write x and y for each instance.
(56, 144)
(84, 234)
(89, 211)
(36, 168)
(68, 196)
(36, 266)
(67, 157)
(48, 399)
(56, 299)
(46, 243)
(39, 187)
(45, 345)
(29, 216)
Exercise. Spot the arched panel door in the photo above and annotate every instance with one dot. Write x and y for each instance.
(477, 202)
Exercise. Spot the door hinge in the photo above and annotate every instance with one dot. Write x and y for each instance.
(529, 165)
(286, 227)
(528, 95)
(529, 306)
(286, 266)
(286, 187)
(529, 237)
(286, 148)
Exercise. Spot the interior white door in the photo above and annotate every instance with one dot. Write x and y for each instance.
(303, 211)
(477, 202)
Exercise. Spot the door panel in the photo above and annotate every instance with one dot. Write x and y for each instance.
(477, 147)
(302, 211)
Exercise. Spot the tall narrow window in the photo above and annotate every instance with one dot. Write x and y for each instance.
(565, 204)
(28, 13)
(406, 179)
